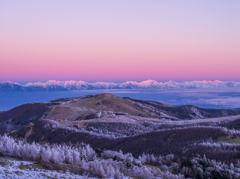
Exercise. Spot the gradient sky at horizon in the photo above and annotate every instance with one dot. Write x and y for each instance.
(105, 40)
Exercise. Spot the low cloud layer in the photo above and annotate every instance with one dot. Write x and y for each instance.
(231, 102)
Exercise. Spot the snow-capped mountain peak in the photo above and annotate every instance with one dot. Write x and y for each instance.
(54, 85)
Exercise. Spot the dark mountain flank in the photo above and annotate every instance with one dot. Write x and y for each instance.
(186, 111)
(173, 141)
(22, 115)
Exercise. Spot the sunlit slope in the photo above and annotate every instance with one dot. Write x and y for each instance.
(82, 108)
(109, 102)
(108, 105)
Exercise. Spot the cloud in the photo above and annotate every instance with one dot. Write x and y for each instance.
(232, 102)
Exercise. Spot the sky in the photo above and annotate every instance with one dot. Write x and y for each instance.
(120, 40)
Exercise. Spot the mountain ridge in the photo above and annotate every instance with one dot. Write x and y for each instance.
(106, 106)
(54, 85)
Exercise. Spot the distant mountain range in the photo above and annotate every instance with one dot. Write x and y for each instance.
(54, 85)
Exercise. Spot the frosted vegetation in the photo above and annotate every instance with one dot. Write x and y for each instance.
(14, 168)
(81, 159)
(120, 129)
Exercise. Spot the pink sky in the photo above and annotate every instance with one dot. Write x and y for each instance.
(119, 41)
